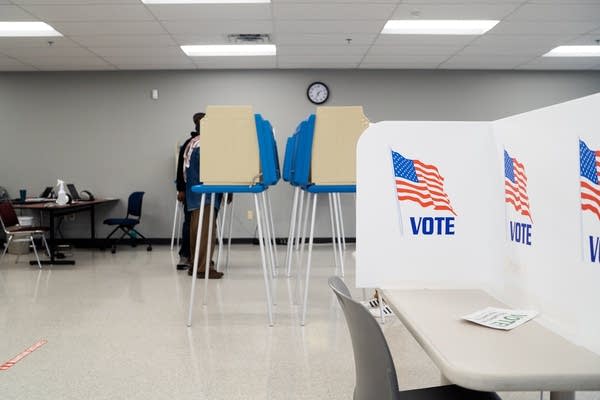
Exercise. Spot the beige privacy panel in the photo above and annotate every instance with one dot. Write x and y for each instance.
(229, 146)
(334, 145)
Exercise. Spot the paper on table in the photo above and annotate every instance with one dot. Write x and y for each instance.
(501, 318)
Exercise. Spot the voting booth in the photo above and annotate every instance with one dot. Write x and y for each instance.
(238, 154)
(337, 130)
(511, 206)
(321, 159)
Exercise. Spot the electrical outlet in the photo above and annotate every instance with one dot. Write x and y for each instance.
(250, 215)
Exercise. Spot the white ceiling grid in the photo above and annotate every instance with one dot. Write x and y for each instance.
(127, 34)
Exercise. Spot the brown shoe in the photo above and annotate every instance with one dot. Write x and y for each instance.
(212, 274)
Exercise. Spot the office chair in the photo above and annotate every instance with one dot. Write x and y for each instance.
(127, 224)
(16, 233)
(375, 371)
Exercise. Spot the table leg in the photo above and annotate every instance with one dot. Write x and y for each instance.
(562, 395)
(52, 244)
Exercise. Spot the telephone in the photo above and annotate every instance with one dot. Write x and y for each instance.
(86, 195)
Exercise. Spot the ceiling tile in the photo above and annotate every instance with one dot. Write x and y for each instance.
(55, 52)
(318, 39)
(16, 68)
(138, 51)
(498, 11)
(283, 50)
(213, 38)
(424, 40)
(521, 41)
(149, 60)
(166, 12)
(14, 13)
(92, 12)
(125, 41)
(348, 26)
(398, 59)
(218, 27)
(19, 42)
(471, 2)
(235, 62)
(109, 28)
(558, 12)
(584, 40)
(413, 50)
(542, 28)
(554, 63)
(91, 61)
(319, 2)
(75, 2)
(505, 50)
(155, 67)
(8, 61)
(76, 67)
(400, 65)
(311, 11)
(484, 62)
(326, 61)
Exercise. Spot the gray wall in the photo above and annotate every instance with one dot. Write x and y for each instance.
(102, 131)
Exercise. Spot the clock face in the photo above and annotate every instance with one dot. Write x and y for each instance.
(318, 92)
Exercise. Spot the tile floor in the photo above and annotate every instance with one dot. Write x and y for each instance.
(115, 326)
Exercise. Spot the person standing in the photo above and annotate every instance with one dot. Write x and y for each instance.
(191, 174)
(185, 257)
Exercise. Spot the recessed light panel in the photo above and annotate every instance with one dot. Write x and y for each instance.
(26, 29)
(574, 51)
(217, 50)
(438, 27)
(204, 1)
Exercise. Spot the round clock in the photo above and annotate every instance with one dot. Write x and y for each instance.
(317, 92)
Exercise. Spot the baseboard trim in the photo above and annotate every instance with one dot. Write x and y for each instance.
(89, 243)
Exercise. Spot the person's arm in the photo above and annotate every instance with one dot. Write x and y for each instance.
(180, 181)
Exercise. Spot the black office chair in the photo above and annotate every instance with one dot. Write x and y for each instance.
(375, 371)
(127, 224)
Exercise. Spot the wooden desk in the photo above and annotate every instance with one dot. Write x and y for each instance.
(54, 210)
(528, 358)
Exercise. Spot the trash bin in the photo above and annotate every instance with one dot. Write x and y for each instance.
(20, 245)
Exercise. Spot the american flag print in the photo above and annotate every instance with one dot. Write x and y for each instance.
(589, 167)
(515, 185)
(420, 183)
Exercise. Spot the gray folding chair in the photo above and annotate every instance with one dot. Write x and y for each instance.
(375, 371)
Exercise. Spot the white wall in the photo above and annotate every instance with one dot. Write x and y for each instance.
(102, 131)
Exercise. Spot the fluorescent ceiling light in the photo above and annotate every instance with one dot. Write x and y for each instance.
(216, 50)
(574, 51)
(204, 1)
(438, 27)
(26, 29)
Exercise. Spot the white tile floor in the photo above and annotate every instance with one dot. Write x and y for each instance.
(115, 326)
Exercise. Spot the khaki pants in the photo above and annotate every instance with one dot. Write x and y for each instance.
(204, 238)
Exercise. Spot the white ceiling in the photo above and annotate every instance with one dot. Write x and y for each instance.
(126, 34)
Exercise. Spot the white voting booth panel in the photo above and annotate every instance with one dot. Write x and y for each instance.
(547, 265)
(554, 273)
(388, 252)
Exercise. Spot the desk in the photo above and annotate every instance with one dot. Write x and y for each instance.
(528, 358)
(53, 210)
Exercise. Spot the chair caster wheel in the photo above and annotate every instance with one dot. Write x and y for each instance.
(113, 250)
(149, 248)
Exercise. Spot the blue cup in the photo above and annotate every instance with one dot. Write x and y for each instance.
(23, 194)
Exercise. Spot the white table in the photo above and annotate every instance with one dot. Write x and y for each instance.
(528, 358)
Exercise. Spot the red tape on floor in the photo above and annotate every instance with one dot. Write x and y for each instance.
(22, 355)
